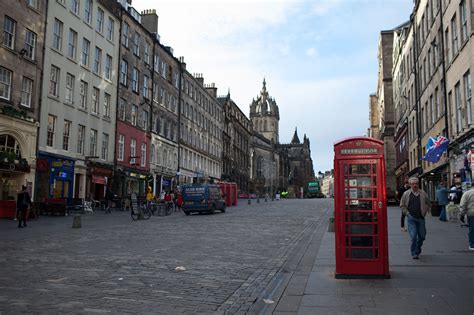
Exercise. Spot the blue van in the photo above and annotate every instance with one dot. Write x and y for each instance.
(202, 198)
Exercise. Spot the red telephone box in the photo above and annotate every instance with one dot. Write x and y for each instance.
(360, 209)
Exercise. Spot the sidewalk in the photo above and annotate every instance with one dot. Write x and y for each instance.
(440, 282)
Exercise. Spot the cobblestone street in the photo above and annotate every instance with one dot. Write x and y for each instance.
(112, 264)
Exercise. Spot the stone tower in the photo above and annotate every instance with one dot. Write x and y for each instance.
(264, 115)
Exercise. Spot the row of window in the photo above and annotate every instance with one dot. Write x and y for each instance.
(133, 151)
(195, 94)
(140, 117)
(432, 60)
(192, 114)
(9, 38)
(160, 66)
(194, 161)
(81, 138)
(85, 52)
(461, 105)
(6, 77)
(86, 13)
(134, 80)
(133, 115)
(164, 157)
(70, 89)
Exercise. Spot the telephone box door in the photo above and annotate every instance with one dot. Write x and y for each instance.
(361, 236)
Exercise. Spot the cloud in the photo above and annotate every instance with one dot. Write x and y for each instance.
(324, 7)
(310, 52)
(320, 74)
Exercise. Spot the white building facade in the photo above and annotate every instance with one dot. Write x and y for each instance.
(78, 99)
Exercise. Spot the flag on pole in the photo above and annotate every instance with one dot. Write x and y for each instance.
(435, 148)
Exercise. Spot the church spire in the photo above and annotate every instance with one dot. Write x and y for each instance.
(295, 139)
(264, 88)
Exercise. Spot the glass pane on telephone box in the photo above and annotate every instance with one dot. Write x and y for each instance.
(360, 190)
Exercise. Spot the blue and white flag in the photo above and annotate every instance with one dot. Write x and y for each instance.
(435, 148)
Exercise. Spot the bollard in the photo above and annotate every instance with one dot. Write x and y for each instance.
(76, 222)
(266, 199)
(250, 201)
(258, 200)
(331, 225)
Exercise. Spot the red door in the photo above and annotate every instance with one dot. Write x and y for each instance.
(361, 218)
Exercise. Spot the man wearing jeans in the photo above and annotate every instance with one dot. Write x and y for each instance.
(467, 207)
(415, 204)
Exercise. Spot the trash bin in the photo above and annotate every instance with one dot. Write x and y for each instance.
(435, 211)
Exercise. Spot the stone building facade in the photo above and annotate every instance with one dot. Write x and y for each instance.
(432, 91)
(300, 165)
(164, 124)
(236, 142)
(373, 130)
(201, 126)
(385, 108)
(79, 90)
(21, 67)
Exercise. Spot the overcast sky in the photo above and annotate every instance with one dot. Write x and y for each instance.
(319, 57)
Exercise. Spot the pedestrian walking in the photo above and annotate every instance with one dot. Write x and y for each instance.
(415, 204)
(442, 200)
(23, 204)
(179, 202)
(400, 192)
(467, 207)
(109, 196)
(169, 201)
(455, 194)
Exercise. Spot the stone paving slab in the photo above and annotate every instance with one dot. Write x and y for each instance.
(115, 265)
(440, 282)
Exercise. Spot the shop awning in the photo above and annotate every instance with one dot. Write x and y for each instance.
(99, 180)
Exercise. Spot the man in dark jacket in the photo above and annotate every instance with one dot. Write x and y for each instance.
(23, 203)
(415, 203)
(109, 197)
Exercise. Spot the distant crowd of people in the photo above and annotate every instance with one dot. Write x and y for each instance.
(170, 198)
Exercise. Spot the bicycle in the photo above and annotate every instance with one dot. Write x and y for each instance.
(142, 212)
(168, 208)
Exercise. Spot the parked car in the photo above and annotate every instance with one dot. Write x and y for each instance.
(202, 198)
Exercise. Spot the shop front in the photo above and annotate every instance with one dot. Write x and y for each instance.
(162, 180)
(127, 181)
(462, 159)
(55, 176)
(99, 177)
(17, 154)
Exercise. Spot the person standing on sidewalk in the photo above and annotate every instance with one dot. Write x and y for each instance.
(415, 204)
(23, 203)
(109, 197)
(400, 192)
(467, 207)
(442, 198)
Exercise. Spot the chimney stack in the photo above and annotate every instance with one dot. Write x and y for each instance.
(150, 20)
